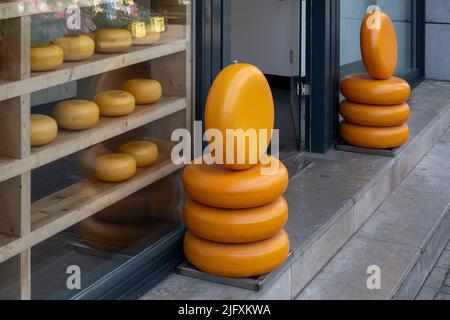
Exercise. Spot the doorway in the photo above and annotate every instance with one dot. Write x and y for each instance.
(272, 35)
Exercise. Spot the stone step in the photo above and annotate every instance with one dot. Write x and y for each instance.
(403, 238)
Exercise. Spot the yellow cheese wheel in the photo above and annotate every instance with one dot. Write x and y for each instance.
(144, 152)
(148, 39)
(114, 237)
(46, 57)
(114, 167)
(145, 91)
(43, 129)
(374, 137)
(362, 88)
(115, 103)
(375, 116)
(240, 98)
(88, 159)
(110, 40)
(237, 260)
(216, 186)
(76, 47)
(76, 114)
(379, 45)
(238, 225)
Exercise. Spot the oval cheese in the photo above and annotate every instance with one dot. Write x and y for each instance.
(375, 116)
(76, 114)
(361, 88)
(145, 91)
(114, 237)
(374, 137)
(46, 57)
(43, 129)
(115, 103)
(240, 99)
(379, 45)
(237, 260)
(114, 167)
(144, 152)
(111, 40)
(238, 225)
(216, 186)
(76, 47)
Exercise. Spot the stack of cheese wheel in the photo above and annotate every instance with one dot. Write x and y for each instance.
(236, 213)
(375, 110)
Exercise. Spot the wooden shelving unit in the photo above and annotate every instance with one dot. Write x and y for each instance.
(24, 224)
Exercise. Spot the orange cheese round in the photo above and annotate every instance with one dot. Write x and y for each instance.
(145, 91)
(76, 47)
(43, 129)
(76, 114)
(46, 57)
(144, 152)
(375, 116)
(379, 45)
(115, 103)
(114, 237)
(111, 40)
(216, 186)
(361, 88)
(238, 225)
(240, 99)
(237, 260)
(114, 167)
(374, 137)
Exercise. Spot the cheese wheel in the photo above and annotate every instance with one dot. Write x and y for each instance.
(115, 103)
(111, 40)
(238, 225)
(144, 152)
(88, 159)
(145, 91)
(46, 57)
(148, 39)
(379, 45)
(237, 260)
(76, 47)
(375, 116)
(76, 114)
(114, 237)
(373, 137)
(215, 186)
(43, 129)
(240, 99)
(361, 88)
(114, 167)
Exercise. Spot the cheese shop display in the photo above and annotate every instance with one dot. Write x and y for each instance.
(76, 114)
(144, 152)
(76, 47)
(46, 57)
(114, 167)
(235, 213)
(375, 111)
(112, 40)
(115, 103)
(145, 91)
(43, 129)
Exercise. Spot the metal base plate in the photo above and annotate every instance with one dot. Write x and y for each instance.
(342, 146)
(255, 284)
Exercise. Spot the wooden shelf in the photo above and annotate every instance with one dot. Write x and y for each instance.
(69, 142)
(22, 8)
(69, 206)
(97, 64)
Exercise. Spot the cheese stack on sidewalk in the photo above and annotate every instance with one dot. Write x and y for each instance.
(236, 213)
(375, 110)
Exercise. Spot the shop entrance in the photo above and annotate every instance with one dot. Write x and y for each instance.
(272, 35)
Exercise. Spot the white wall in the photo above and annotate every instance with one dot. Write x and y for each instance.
(262, 33)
